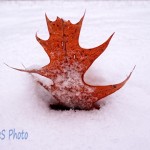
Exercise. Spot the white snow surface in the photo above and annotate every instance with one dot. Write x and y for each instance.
(123, 122)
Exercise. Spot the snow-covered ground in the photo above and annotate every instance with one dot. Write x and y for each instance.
(123, 122)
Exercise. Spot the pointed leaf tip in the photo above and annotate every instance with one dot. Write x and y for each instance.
(108, 40)
(46, 16)
(81, 20)
(57, 18)
(22, 70)
(97, 51)
(37, 38)
(112, 35)
(47, 19)
(84, 14)
(131, 72)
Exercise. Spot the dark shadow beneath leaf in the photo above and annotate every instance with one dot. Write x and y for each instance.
(58, 107)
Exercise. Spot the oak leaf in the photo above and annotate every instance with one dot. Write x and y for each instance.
(68, 64)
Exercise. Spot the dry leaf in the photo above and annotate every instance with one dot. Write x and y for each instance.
(68, 64)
